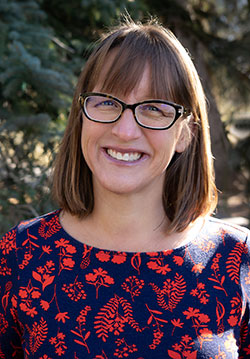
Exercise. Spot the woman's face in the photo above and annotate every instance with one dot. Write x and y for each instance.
(125, 158)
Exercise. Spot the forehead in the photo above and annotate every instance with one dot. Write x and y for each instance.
(139, 90)
(119, 75)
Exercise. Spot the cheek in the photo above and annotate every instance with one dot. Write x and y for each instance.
(88, 132)
(165, 142)
(165, 145)
(91, 136)
(86, 138)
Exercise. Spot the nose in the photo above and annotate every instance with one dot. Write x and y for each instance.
(126, 127)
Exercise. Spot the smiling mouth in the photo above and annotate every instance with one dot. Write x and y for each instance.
(126, 156)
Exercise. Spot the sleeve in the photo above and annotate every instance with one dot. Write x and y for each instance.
(10, 328)
(245, 286)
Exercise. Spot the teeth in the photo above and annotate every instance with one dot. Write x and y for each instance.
(128, 156)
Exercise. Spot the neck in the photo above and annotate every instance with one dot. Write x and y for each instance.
(135, 223)
(138, 211)
(128, 220)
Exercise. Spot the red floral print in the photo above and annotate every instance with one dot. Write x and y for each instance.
(99, 278)
(102, 356)
(133, 285)
(103, 256)
(86, 256)
(60, 298)
(4, 269)
(38, 334)
(66, 254)
(74, 290)
(59, 343)
(235, 313)
(124, 349)
(178, 260)
(27, 295)
(43, 274)
(220, 313)
(48, 229)
(183, 349)
(8, 242)
(113, 317)
(30, 245)
(3, 324)
(234, 261)
(106, 256)
(216, 277)
(157, 263)
(80, 329)
(174, 290)
(136, 262)
(200, 324)
(177, 324)
(200, 293)
(157, 324)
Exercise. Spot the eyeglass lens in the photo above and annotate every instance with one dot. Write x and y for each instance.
(152, 114)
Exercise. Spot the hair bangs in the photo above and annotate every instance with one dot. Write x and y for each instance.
(122, 67)
(120, 61)
(169, 80)
(124, 72)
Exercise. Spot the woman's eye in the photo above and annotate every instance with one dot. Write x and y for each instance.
(107, 103)
(151, 108)
(157, 111)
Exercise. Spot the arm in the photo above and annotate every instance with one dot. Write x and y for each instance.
(10, 329)
(245, 284)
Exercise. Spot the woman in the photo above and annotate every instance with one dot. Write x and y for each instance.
(132, 265)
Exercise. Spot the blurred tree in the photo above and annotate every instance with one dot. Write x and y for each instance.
(35, 87)
(217, 34)
(78, 22)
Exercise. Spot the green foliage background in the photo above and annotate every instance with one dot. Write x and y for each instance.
(43, 46)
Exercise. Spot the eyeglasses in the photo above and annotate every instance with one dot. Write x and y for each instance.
(152, 114)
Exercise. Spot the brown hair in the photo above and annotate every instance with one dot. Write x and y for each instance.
(189, 189)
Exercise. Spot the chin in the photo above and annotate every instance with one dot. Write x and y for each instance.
(119, 188)
(122, 190)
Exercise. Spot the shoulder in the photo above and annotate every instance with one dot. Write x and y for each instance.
(230, 238)
(39, 227)
(27, 241)
(215, 227)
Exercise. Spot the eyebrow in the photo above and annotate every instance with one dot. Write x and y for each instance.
(144, 97)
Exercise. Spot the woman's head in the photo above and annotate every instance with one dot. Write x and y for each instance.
(116, 67)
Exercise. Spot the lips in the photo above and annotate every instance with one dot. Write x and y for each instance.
(124, 156)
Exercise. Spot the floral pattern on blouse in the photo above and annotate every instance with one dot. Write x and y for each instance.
(60, 298)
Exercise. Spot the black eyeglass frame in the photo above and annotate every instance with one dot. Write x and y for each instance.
(180, 110)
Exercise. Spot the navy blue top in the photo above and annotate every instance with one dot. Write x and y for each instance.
(60, 298)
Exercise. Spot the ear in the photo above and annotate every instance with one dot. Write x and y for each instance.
(185, 136)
